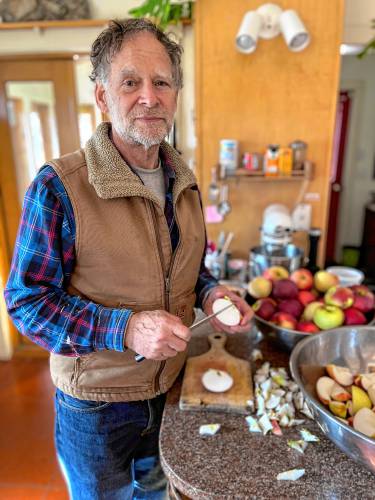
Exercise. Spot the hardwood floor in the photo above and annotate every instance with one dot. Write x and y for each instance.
(28, 466)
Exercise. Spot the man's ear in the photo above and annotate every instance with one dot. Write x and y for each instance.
(100, 97)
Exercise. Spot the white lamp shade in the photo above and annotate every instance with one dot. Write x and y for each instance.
(294, 32)
(247, 36)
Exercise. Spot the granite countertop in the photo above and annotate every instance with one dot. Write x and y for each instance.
(235, 463)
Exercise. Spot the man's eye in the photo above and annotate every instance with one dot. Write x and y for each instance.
(161, 83)
(129, 83)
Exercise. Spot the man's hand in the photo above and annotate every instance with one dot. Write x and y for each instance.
(246, 312)
(156, 335)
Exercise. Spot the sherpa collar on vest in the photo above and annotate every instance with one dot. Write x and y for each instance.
(111, 177)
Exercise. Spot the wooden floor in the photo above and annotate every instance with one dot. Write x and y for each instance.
(28, 466)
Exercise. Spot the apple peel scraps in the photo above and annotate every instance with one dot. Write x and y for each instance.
(209, 429)
(308, 436)
(299, 445)
(290, 475)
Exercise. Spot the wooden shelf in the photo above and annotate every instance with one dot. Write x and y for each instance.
(262, 178)
(41, 25)
(69, 23)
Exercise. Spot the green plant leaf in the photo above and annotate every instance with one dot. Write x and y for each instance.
(370, 46)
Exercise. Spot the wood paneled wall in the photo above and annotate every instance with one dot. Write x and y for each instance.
(270, 96)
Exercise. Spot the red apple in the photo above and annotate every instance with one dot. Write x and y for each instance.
(285, 289)
(284, 320)
(303, 278)
(339, 296)
(327, 317)
(354, 317)
(305, 297)
(307, 327)
(309, 310)
(291, 306)
(364, 299)
(264, 308)
(275, 273)
(324, 280)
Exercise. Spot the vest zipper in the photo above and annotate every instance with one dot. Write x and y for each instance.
(167, 282)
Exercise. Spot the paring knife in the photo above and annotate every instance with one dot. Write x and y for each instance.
(139, 357)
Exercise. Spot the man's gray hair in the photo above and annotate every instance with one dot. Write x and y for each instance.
(110, 42)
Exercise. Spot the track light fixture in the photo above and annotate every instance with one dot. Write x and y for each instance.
(268, 21)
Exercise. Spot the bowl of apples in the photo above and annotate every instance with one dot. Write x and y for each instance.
(289, 307)
(336, 374)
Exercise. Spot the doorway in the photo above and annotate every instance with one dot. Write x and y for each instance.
(38, 120)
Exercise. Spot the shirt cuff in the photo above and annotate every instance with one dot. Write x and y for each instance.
(111, 330)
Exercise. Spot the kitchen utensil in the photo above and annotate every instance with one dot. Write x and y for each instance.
(224, 207)
(264, 256)
(353, 347)
(193, 394)
(213, 188)
(139, 357)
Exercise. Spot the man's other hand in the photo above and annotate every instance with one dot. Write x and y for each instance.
(156, 335)
(246, 311)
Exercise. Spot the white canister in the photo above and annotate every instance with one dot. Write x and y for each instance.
(229, 155)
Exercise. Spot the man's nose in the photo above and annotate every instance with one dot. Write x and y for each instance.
(148, 96)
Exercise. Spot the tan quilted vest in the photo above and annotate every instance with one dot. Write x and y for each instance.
(124, 259)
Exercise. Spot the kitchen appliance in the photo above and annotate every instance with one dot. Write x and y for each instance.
(276, 247)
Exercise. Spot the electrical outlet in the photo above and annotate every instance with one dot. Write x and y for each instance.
(301, 217)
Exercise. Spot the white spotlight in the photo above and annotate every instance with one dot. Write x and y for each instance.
(267, 22)
(294, 32)
(247, 36)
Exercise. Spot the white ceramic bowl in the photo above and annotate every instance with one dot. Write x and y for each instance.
(348, 276)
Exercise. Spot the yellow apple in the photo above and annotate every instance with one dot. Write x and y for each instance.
(360, 399)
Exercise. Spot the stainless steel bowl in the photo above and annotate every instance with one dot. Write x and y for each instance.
(284, 337)
(353, 347)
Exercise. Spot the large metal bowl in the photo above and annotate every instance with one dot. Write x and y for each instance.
(353, 347)
(284, 337)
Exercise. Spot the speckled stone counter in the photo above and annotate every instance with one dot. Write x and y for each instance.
(236, 464)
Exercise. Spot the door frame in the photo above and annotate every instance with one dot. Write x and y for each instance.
(356, 89)
(55, 67)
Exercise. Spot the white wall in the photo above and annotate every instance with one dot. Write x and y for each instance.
(357, 23)
(359, 76)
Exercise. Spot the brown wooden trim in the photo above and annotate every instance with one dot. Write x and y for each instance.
(69, 56)
(68, 23)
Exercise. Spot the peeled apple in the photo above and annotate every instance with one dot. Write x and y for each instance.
(229, 317)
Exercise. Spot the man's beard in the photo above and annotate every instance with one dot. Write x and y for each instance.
(133, 133)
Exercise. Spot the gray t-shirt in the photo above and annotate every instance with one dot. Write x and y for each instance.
(154, 180)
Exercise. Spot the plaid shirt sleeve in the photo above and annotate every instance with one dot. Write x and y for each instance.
(42, 265)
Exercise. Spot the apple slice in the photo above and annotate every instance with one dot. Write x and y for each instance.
(341, 374)
(360, 399)
(338, 393)
(367, 380)
(371, 393)
(349, 405)
(337, 408)
(364, 421)
(324, 388)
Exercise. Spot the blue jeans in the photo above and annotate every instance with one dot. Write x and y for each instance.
(110, 450)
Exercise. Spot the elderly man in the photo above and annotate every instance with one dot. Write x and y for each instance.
(109, 262)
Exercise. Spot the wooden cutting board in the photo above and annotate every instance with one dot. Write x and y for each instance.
(194, 396)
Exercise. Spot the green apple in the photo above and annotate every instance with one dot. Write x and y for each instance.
(327, 317)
